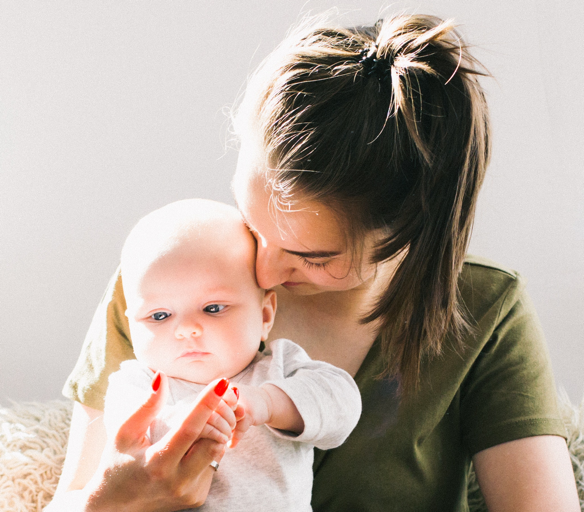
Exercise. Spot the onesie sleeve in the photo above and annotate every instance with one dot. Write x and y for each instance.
(509, 392)
(326, 396)
(106, 345)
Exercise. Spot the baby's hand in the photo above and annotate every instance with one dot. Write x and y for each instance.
(266, 405)
(253, 409)
(223, 421)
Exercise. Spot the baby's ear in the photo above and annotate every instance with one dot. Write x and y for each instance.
(269, 305)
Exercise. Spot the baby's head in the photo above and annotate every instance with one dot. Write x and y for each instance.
(194, 307)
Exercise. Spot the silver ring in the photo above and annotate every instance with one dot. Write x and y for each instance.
(214, 465)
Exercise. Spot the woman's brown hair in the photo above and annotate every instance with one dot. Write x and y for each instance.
(388, 126)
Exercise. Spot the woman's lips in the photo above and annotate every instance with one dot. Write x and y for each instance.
(291, 283)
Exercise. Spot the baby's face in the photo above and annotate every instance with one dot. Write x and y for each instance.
(199, 316)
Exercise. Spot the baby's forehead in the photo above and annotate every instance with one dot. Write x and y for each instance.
(192, 218)
(195, 228)
(187, 221)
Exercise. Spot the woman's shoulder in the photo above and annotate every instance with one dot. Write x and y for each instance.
(486, 286)
(481, 268)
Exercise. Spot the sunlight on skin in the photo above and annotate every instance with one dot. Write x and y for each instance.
(321, 259)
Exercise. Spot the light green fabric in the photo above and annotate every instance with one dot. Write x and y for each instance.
(106, 345)
(412, 456)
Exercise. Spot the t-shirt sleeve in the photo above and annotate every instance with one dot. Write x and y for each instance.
(128, 389)
(106, 345)
(510, 392)
(326, 397)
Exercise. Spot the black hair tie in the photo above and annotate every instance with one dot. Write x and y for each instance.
(372, 66)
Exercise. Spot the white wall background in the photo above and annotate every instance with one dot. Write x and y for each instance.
(110, 109)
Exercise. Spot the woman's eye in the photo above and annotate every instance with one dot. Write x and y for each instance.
(214, 308)
(311, 265)
(159, 315)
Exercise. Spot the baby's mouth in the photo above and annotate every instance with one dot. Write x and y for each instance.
(194, 354)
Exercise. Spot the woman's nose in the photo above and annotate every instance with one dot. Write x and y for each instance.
(271, 267)
(188, 328)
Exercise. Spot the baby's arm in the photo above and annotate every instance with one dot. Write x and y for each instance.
(314, 400)
(265, 405)
(283, 412)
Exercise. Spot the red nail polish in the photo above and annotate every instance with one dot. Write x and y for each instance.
(236, 391)
(156, 382)
(221, 387)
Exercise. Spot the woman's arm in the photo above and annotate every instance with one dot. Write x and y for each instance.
(128, 473)
(531, 474)
(86, 444)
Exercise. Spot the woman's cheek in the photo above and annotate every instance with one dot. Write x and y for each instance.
(337, 276)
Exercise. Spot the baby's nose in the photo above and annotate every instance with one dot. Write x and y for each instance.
(188, 329)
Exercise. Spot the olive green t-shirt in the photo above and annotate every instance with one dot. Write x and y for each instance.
(414, 454)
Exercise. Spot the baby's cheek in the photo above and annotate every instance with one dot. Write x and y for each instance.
(148, 350)
(143, 354)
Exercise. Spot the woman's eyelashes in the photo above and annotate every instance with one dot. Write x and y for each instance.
(313, 265)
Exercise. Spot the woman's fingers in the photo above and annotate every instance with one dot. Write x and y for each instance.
(212, 433)
(177, 442)
(243, 424)
(239, 412)
(201, 454)
(219, 428)
(175, 472)
(227, 415)
(135, 427)
(231, 397)
(197, 470)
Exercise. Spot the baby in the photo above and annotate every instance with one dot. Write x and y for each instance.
(197, 314)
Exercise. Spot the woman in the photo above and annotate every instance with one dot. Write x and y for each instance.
(362, 154)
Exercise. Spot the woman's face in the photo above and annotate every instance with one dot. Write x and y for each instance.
(304, 249)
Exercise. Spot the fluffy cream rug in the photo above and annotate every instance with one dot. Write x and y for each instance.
(33, 439)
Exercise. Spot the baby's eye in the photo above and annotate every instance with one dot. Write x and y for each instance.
(159, 316)
(214, 308)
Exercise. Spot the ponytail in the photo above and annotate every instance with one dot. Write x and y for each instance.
(393, 126)
(438, 99)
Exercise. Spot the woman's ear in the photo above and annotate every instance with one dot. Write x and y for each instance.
(268, 313)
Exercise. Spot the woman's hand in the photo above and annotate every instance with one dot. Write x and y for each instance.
(173, 473)
(134, 474)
